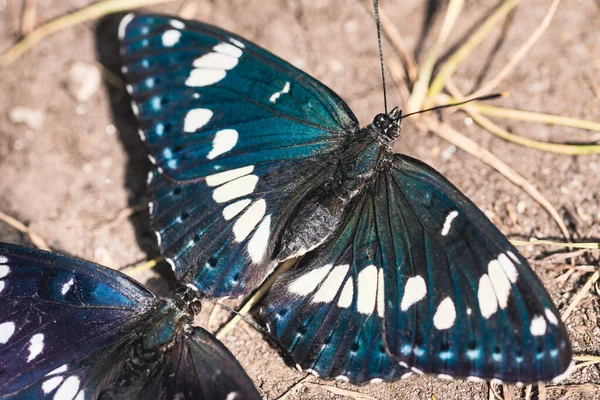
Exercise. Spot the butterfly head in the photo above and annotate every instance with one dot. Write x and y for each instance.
(388, 125)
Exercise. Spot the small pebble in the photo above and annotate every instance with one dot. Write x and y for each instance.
(28, 116)
(84, 81)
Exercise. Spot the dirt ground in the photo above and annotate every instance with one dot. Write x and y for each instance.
(76, 163)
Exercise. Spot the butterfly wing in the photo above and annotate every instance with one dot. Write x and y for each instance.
(238, 137)
(64, 324)
(198, 366)
(448, 292)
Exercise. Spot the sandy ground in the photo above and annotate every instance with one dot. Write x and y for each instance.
(76, 164)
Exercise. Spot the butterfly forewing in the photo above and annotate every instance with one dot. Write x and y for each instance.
(430, 279)
(64, 324)
(238, 137)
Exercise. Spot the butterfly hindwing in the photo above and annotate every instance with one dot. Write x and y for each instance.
(446, 290)
(238, 137)
(205, 370)
(64, 324)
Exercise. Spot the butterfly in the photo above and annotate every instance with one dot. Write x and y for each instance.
(256, 162)
(71, 329)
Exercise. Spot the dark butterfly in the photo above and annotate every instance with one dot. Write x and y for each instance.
(257, 162)
(71, 329)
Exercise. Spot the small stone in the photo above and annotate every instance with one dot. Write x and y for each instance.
(84, 81)
(28, 116)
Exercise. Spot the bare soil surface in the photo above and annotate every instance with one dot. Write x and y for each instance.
(74, 165)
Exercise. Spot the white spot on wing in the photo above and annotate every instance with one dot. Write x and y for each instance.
(488, 303)
(551, 317)
(500, 282)
(509, 268)
(237, 188)
(380, 293)
(414, 291)
(177, 24)
(3, 259)
(61, 369)
(331, 286)
(2, 285)
(216, 61)
(257, 246)
(226, 176)
(229, 49)
(512, 255)
(196, 119)
(375, 381)
(448, 222)
(67, 286)
(36, 346)
(445, 376)
(367, 290)
(170, 38)
(234, 209)
(249, 219)
(342, 378)
(275, 96)
(224, 141)
(204, 77)
(51, 384)
(123, 24)
(538, 326)
(4, 270)
(445, 315)
(6, 331)
(345, 299)
(232, 396)
(237, 43)
(309, 281)
(68, 390)
(565, 374)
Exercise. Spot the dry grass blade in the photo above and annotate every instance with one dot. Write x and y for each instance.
(21, 227)
(29, 18)
(523, 50)
(587, 246)
(294, 388)
(474, 40)
(144, 266)
(420, 87)
(121, 215)
(581, 294)
(570, 149)
(494, 393)
(259, 294)
(389, 28)
(586, 387)
(451, 135)
(530, 116)
(93, 11)
(342, 392)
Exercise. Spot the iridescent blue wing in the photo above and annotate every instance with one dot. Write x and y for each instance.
(238, 137)
(420, 276)
(65, 324)
(199, 367)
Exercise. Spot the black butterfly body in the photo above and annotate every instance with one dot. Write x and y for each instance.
(70, 329)
(257, 162)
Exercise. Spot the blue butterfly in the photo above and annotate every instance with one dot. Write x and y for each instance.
(71, 329)
(257, 163)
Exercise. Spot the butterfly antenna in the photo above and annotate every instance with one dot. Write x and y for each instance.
(248, 320)
(480, 98)
(376, 8)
